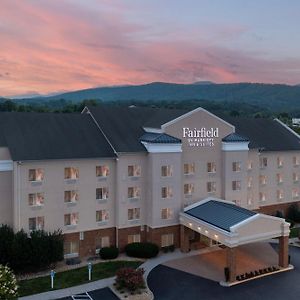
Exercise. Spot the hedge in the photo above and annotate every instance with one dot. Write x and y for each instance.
(28, 253)
(109, 252)
(142, 250)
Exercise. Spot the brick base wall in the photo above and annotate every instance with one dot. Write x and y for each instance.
(154, 234)
(87, 246)
(124, 232)
(271, 209)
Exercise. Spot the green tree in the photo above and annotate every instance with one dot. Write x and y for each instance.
(8, 284)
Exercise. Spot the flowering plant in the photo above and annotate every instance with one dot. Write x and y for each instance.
(8, 284)
(130, 278)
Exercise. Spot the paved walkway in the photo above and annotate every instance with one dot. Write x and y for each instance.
(148, 266)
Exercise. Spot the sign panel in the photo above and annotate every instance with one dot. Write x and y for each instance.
(202, 137)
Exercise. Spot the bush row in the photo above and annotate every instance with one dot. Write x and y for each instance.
(142, 250)
(27, 253)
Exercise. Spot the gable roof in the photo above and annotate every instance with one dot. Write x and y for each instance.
(220, 214)
(123, 126)
(265, 134)
(40, 136)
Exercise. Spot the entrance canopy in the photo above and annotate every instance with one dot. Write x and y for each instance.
(231, 225)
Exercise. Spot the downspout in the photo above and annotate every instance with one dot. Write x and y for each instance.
(19, 193)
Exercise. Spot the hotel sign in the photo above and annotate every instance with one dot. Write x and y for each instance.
(200, 137)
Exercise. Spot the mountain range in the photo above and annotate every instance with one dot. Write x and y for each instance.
(275, 97)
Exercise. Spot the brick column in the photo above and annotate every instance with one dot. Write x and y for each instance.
(283, 251)
(231, 263)
(184, 239)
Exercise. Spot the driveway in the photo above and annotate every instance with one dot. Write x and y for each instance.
(170, 284)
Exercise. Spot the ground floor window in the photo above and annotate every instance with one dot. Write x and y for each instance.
(167, 240)
(134, 238)
(101, 242)
(36, 223)
(71, 248)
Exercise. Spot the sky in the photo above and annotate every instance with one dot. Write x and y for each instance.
(50, 46)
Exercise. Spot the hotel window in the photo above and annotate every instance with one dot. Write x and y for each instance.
(71, 219)
(166, 213)
(279, 178)
(296, 161)
(36, 175)
(134, 213)
(102, 241)
(36, 223)
(188, 188)
(236, 185)
(279, 162)
(134, 171)
(71, 248)
(134, 192)
(250, 165)
(71, 173)
(236, 166)
(262, 197)
(166, 171)
(133, 238)
(211, 167)
(36, 199)
(189, 169)
(249, 200)
(279, 195)
(262, 179)
(102, 215)
(166, 192)
(71, 196)
(263, 162)
(295, 177)
(102, 171)
(102, 193)
(211, 187)
(295, 193)
(250, 182)
(167, 240)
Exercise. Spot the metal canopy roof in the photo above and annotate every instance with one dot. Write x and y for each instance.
(230, 224)
(220, 214)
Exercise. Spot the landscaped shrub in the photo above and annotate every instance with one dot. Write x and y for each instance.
(293, 213)
(142, 250)
(6, 238)
(130, 279)
(8, 284)
(109, 252)
(25, 253)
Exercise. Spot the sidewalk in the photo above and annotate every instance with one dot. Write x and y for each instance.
(148, 266)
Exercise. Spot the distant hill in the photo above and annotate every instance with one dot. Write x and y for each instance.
(275, 97)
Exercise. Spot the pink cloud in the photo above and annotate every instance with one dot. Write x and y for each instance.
(66, 45)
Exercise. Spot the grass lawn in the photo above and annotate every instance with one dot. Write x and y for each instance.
(73, 277)
(294, 232)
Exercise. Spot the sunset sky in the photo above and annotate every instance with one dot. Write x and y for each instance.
(60, 45)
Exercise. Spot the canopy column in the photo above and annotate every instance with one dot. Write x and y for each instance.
(231, 263)
(283, 251)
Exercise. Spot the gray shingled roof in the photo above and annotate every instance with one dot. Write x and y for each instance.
(220, 214)
(40, 136)
(234, 137)
(159, 138)
(123, 126)
(265, 134)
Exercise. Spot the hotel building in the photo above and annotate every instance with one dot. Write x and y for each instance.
(112, 175)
